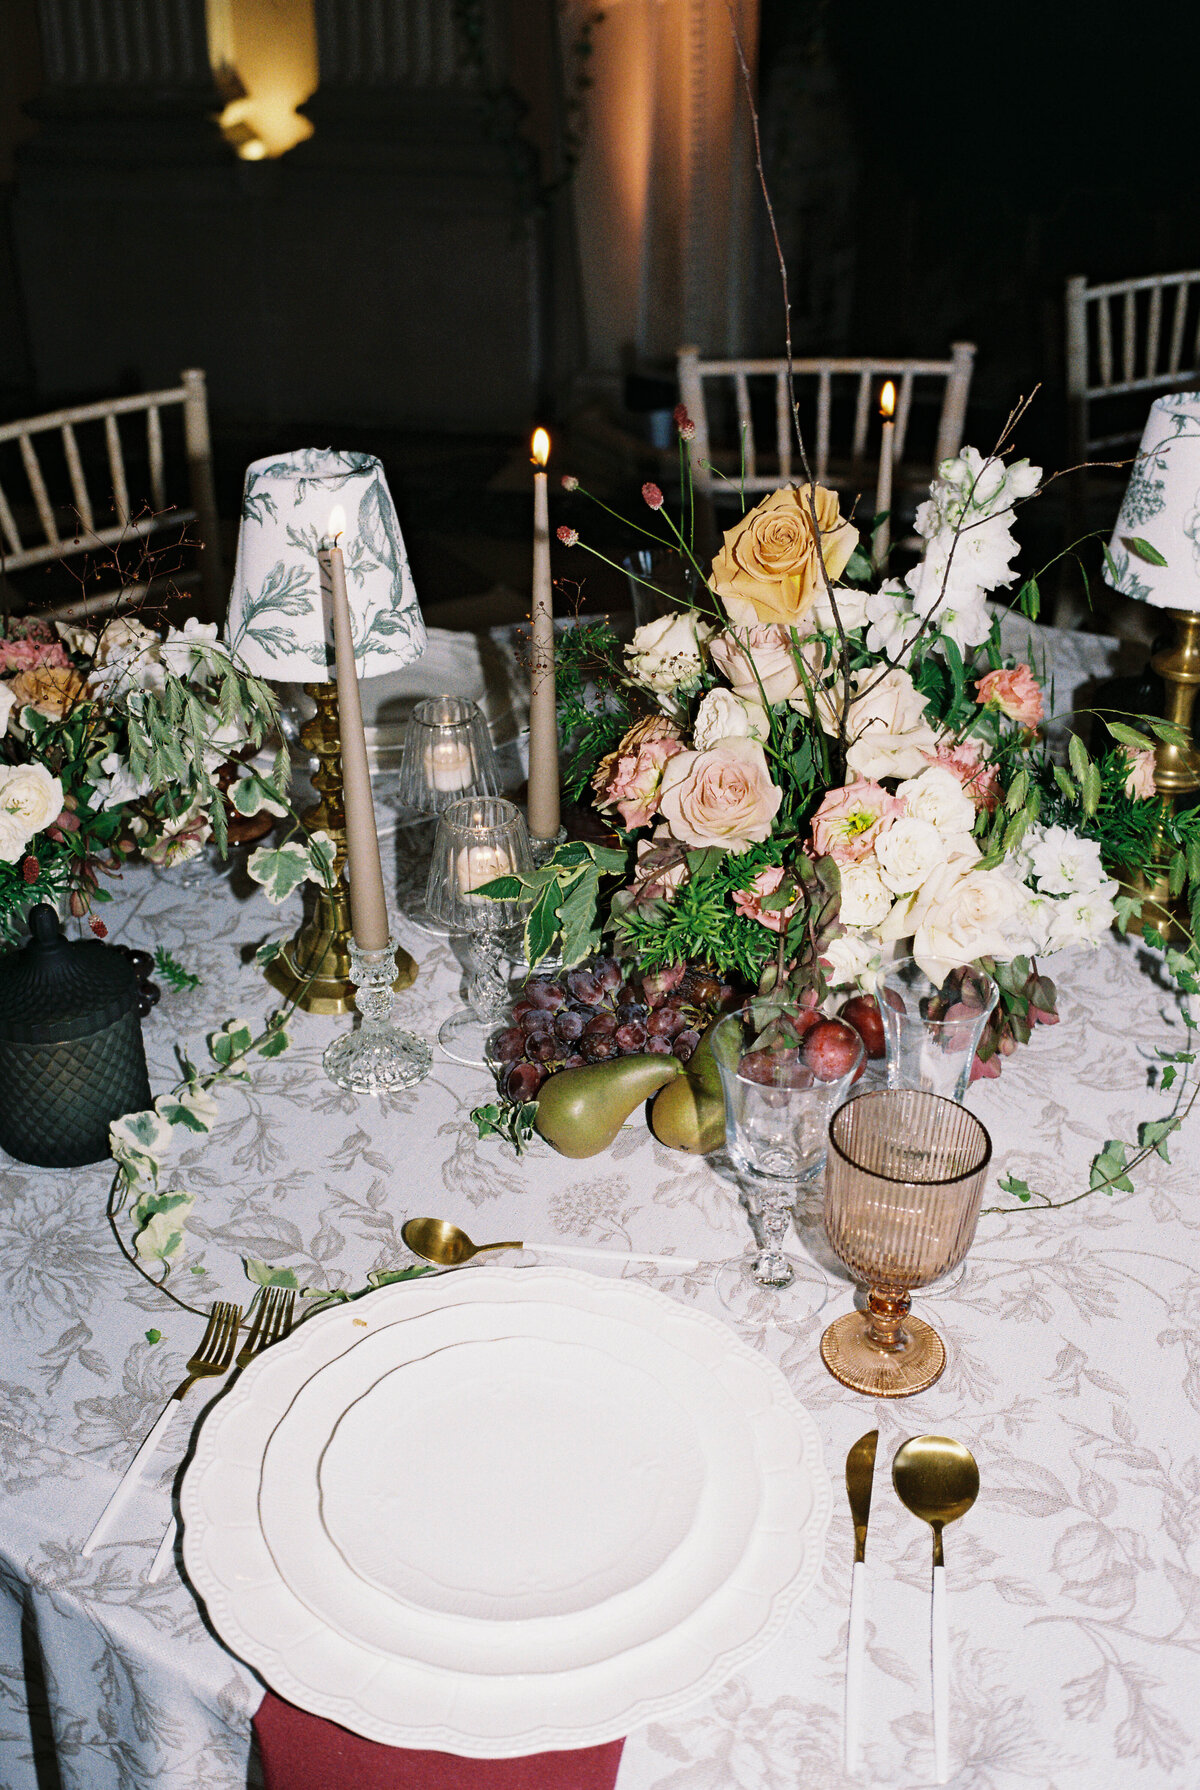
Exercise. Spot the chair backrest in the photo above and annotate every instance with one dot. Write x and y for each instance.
(1123, 339)
(48, 510)
(836, 386)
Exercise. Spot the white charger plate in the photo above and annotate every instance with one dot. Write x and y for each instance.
(654, 1499)
(409, 1702)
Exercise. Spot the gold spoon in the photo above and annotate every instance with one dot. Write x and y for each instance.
(437, 1240)
(938, 1480)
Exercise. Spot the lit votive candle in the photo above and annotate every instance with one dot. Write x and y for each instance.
(448, 764)
(479, 864)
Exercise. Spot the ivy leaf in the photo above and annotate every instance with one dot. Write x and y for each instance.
(277, 1040)
(1108, 1168)
(1020, 1190)
(233, 1040)
(1168, 1078)
(1129, 907)
(386, 1277)
(153, 1336)
(145, 1134)
(513, 1122)
(269, 952)
(280, 869)
(263, 1275)
(192, 1107)
(1154, 1133)
(1143, 550)
(250, 795)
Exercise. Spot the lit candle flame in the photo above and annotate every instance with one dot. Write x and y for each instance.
(887, 400)
(540, 447)
(337, 522)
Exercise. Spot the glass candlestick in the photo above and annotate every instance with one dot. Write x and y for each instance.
(378, 1057)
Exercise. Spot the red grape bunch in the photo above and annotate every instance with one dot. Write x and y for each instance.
(601, 1010)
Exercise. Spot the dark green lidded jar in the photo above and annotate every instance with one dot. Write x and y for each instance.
(71, 1053)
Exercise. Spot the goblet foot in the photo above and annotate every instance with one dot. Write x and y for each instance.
(377, 1060)
(464, 1037)
(855, 1359)
(799, 1292)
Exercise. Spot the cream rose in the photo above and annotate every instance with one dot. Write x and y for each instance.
(979, 915)
(763, 664)
(665, 655)
(851, 609)
(724, 716)
(907, 853)
(769, 569)
(938, 796)
(723, 797)
(889, 734)
(864, 900)
(30, 798)
(959, 854)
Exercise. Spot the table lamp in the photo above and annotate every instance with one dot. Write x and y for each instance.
(281, 628)
(1161, 510)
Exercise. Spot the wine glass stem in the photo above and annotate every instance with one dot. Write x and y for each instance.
(887, 1313)
(488, 992)
(772, 1267)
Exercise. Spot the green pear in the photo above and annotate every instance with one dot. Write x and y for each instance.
(580, 1111)
(689, 1113)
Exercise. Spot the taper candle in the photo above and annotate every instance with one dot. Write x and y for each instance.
(543, 712)
(368, 904)
(882, 539)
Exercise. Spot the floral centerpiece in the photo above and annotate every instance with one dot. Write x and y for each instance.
(804, 767)
(110, 743)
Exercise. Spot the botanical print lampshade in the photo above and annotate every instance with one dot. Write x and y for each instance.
(279, 623)
(1162, 508)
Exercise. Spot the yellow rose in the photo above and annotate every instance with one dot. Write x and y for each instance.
(769, 569)
(52, 690)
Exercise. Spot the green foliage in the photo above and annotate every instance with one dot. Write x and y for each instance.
(512, 1123)
(173, 972)
(563, 896)
(588, 661)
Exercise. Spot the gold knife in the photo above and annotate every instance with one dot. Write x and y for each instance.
(860, 1472)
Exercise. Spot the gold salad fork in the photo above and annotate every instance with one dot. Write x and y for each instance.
(212, 1357)
(272, 1322)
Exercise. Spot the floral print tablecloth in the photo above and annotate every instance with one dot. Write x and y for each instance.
(1074, 1375)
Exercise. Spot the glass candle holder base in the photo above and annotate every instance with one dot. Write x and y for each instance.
(542, 850)
(464, 1038)
(774, 1287)
(857, 1361)
(377, 1058)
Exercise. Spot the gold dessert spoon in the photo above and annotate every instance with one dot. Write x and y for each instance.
(437, 1240)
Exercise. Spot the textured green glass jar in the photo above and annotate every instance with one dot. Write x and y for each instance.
(71, 1053)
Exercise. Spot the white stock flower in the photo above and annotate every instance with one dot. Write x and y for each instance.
(852, 608)
(118, 784)
(864, 900)
(665, 654)
(852, 959)
(1081, 919)
(30, 798)
(977, 915)
(893, 623)
(1064, 862)
(938, 796)
(179, 650)
(970, 485)
(724, 716)
(908, 853)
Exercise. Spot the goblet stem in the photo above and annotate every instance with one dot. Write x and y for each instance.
(887, 1313)
(488, 994)
(772, 1268)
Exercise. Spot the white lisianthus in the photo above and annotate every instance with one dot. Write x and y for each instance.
(980, 914)
(865, 900)
(938, 796)
(30, 798)
(118, 784)
(1081, 919)
(1064, 862)
(852, 959)
(724, 716)
(908, 853)
(1039, 920)
(179, 650)
(893, 623)
(852, 608)
(665, 655)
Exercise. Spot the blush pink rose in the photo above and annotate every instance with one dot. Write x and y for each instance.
(1015, 693)
(850, 820)
(748, 902)
(981, 781)
(1139, 783)
(634, 780)
(723, 797)
(760, 663)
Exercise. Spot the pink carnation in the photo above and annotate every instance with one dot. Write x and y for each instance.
(1015, 693)
(1140, 784)
(980, 780)
(748, 902)
(31, 655)
(634, 781)
(850, 820)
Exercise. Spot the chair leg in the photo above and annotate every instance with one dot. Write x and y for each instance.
(214, 594)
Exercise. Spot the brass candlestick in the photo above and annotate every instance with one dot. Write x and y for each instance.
(313, 968)
(1176, 768)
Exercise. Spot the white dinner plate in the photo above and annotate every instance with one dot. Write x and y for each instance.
(409, 1701)
(659, 1486)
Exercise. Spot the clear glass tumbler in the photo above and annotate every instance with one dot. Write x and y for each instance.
(932, 1029)
(777, 1111)
(903, 1186)
(477, 841)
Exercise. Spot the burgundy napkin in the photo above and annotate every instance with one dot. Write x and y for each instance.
(305, 1752)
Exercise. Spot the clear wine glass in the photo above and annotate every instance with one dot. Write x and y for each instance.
(903, 1186)
(777, 1112)
(478, 840)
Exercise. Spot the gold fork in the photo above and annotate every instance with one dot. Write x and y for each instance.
(212, 1357)
(272, 1322)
